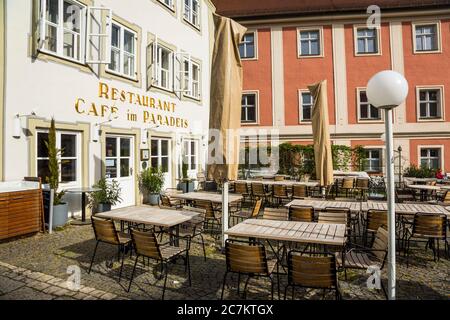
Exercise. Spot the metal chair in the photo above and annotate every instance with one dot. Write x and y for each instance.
(242, 189)
(348, 184)
(360, 257)
(374, 220)
(146, 245)
(362, 187)
(212, 216)
(248, 258)
(194, 228)
(259, 191)
(429, 226)
(105, 231)
(280, 193)
(317, 271)
(240, 216)
(299, 191)
(167, 202)
(281, 214)
(301, 213)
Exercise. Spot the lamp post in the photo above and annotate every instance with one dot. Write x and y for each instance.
(400, 166)
(386, 90)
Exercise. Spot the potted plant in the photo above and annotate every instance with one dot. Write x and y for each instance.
(60, 208)
(186, 184)
(151, 181)
(106, 197)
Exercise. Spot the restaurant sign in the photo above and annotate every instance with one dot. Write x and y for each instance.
(141, 108)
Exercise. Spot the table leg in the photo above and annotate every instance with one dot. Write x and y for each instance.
(83, 206)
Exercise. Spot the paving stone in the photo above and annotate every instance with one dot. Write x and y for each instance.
(26, 293)
(7, 285)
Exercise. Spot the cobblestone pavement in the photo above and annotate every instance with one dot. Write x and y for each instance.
(36, 267)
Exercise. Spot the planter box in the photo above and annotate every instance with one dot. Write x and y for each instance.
(103, 207)
(189, 187)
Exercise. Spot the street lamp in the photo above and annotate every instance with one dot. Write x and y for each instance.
(386, 90)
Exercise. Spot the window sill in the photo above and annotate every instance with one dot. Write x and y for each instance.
(430, 120)
(154, 86)
(369, 121)
(249, 123)
(196, 99)
(196, 27)
(249, 59)
(66, 59)
(437, 51)
(299, 56)
(369, 54)
(117, 74)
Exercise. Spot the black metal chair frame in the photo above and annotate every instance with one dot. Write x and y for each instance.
(165, 262)
(338, 295)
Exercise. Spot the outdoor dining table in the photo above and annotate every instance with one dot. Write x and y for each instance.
(83, 192)
(287, 183)
(211, 196)
(424, 189)
(291, 231)
(400, 208)
(154, 216)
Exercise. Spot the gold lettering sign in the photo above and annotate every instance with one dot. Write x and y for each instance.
(147, 104)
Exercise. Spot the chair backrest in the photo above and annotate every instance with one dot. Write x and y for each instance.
(301, 213)
(432, 225)
(241, 187)
(403, 195)
(348, 183)
(376, 219)
(279, 190)
(105, 230)
(279, 178)
(446, 197)
(165, 200)
(146, 244)
(275, 214)
(380, 244)
(338, 217)
(362, 183)
(312, 271)
(207, 206)
(432, 183)
(244, 257)
(256, 208)
(258, 189)
(299, 191)
(196, 224)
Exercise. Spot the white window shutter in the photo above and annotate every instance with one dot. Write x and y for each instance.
(171, 71)
(98, 35)
(156, 57)
(42, 24)
(83, 35)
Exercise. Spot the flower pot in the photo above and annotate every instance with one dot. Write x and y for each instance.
(186, 187)
(103, 207)
(153, 199)
(60, 215)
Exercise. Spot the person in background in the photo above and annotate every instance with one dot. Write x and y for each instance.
(439, 174)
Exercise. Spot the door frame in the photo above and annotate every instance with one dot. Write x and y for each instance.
(136, 133)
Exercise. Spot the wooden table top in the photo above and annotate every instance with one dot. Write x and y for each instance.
(301, 232)
(213, 197)
(400, 208)
(423, 187)
(150, 216)
(284, 182)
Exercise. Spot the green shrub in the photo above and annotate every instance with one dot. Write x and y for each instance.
(419, 172)
(151, 180)
(109, 193)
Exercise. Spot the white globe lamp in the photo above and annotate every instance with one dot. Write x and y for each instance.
(387, 90)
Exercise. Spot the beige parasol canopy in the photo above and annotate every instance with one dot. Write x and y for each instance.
(321, 134)
(226, 96)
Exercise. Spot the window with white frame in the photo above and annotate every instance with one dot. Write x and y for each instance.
(163, 70)
(191, 79)
(306, 105)
(68, 159)
(430, 103)
(247, 48)
(372, 162)
(426, 37)
(190, 154)
(249, 108)
(160, 154)
(123, 51)
(310, 42)
(168, 3)
(366, 40)
(62, 24)
(192, 12)
(367, 111)
(430, 158)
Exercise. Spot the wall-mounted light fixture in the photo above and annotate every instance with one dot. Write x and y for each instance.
(17, 124)
(96, 129)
